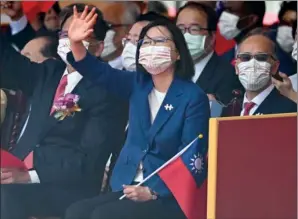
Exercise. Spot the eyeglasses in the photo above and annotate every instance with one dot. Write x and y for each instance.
(62, 34)
(261, 57)
(193, 29)
(154, 41)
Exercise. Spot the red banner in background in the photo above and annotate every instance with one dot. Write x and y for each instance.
(32, 8)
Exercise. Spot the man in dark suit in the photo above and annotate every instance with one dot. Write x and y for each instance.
(256, 64)
(66, 156)
(213, 74)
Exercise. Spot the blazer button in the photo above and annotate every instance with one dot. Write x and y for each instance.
(38, 145)
(145, 151)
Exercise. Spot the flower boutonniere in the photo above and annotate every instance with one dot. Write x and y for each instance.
(66, 106)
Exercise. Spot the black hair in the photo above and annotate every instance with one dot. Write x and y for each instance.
(100, 28)
(157, 6)
(256, 8)
(150, 16)
(184, 68)
(56, 8)
(294, 30)
(287, 6)
(49, 49)
(212, 18)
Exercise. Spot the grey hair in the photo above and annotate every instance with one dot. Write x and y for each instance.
(261, 31)
(131, 13)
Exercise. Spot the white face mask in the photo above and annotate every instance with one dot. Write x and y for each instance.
(294, 52)
(228, 25)
(254, 75)
(284, 38)
(128, 57)
(64, 48)
(195, 44)
(155, 59)
(109, 46)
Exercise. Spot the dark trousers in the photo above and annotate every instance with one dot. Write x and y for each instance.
(21, 201)
(108, 206)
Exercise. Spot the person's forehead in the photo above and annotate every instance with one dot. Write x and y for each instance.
(289, 16)
(136, 29)
(256, 44)
(192, 16)
(158, 31)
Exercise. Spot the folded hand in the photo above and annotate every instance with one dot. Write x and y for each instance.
(138, 194)
(14, 175)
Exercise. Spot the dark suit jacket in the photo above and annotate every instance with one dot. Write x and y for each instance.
(72, 151)
(275, 103)
(219, 78)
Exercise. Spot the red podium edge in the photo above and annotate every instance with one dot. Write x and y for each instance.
(212, 155)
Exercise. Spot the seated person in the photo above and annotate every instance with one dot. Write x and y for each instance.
(64, 150)
(167, 111)
(282, 35)
(256, 63)
(213, 74)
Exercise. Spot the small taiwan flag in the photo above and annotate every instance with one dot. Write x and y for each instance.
(186, 177)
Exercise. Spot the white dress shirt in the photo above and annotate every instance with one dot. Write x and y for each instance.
(199, 67)
(72, 80)
(155, 99)
(258, 100)
(294, 81)
(116, 63)
(19, 25)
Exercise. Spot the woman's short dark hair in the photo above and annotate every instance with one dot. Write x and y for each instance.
(100, 28)
(184, 68)
(212, 18)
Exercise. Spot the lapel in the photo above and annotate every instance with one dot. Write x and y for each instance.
(208, 72)
(80, 89)
(268, 104)
(172, 98)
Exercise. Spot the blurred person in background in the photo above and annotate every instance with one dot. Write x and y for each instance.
(282, 34)
(131, 40)
(238, 19)
(288, 86)
(158, 7)
(121, 16)
(65, 157)
(256, 64)
(214, 74)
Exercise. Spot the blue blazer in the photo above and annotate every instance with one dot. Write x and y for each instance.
(171, 130)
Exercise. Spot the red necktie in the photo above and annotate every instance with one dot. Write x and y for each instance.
(59, 92)
(248, 107)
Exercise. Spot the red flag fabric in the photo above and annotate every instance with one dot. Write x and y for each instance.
(186, 177)
(10, 161)
(32, 8)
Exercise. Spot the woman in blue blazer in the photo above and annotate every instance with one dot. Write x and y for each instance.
(167, 111)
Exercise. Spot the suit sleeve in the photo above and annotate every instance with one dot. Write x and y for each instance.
(116, 81)
(17, 70)
(85, 164)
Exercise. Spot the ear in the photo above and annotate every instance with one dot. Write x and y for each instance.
(99, 49)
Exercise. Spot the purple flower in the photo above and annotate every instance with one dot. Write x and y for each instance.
(71, 98)
(70, 105)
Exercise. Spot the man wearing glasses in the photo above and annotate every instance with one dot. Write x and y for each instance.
(256, 64)
(213, 74)
(64, 149)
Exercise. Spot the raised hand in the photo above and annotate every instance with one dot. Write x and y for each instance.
(13, 9)
(81, 26)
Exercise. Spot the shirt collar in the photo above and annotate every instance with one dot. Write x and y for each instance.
(116, 63)
(199, 67)
(260, 97)
(72, 78)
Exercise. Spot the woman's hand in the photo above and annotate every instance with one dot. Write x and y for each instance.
(138, 194)
(81, 26)
(285, 87)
